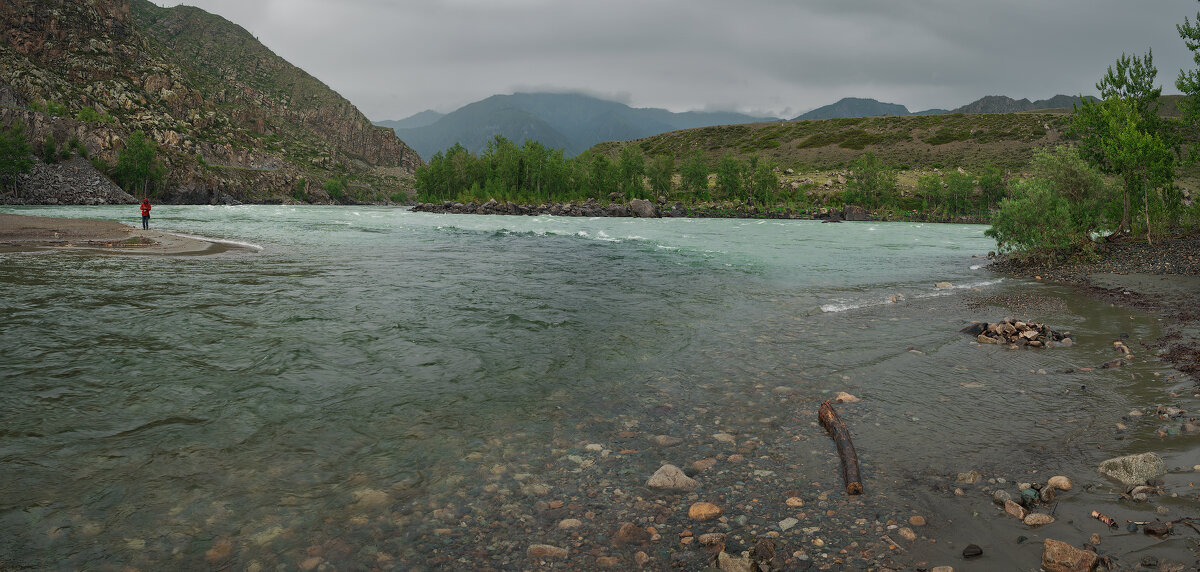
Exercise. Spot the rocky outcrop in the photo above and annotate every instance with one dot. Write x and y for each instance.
(72, 182)
(229, 116)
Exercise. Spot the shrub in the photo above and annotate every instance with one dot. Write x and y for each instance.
(14, 154)
(49, 149)
(1057, 211)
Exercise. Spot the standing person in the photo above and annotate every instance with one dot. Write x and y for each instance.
(146, 213)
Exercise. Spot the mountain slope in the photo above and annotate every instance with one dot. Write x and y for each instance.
(1004, 104)
(228, 115)
(427, 117)
(572, 122)
(854, 107)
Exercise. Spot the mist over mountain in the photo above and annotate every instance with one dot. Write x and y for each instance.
(572, 122)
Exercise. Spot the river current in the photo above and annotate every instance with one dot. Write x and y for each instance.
(365, 362)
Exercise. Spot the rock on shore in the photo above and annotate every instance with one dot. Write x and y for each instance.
(72, 182)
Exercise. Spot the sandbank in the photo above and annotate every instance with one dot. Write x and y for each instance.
(21, 233)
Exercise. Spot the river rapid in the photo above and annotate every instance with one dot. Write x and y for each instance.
(367, 387)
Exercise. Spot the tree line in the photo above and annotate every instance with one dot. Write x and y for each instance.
(532, 173)
(1117, 180)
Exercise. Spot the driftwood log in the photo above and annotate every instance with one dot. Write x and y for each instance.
(841, 437)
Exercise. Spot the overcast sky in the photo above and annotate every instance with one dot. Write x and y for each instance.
(394, 58)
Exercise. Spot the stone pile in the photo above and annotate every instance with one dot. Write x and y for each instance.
(1014, 332)
(72, 182)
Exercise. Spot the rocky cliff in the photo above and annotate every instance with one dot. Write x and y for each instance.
(229, 116)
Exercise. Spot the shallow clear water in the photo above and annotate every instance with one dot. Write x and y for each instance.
(154, 403)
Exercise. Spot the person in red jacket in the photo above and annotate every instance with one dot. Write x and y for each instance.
(146, 214)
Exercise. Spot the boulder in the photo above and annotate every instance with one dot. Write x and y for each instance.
(852, 212)
(1058, 556)
(1133, 470)
(643, 209)
(672, 479)
(729, 563)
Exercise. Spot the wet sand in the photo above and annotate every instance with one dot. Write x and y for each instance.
(20, 233)
(1162, 279)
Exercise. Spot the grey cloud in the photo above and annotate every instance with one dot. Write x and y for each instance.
(395, 58)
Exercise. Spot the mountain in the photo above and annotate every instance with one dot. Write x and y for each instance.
(230, 118)
(1003, 104)
(427, 117)
(854, 107)
(573, 122)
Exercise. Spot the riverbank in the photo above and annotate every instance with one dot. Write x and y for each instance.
(1162, 279)
(20, 233)
(641, 208)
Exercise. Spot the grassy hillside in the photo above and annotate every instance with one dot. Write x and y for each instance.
(921, 141)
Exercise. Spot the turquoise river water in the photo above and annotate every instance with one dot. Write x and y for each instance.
(354, 370)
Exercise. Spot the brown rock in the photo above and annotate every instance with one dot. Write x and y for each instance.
(916, 520)
(794, 502)
(630, 533)
(546, 551)
(671, 478)
(907, 533)
(665, 440)
(1015, 509)
(711, 538)
(1061, 483)
(1058, 556)
(608, 561)
(704, 511)
(843, 397)
(729, 563)
(219, 551)
(641, 558)
(1038, 519)
(704, 464)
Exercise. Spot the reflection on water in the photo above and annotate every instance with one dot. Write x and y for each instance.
(373, 365)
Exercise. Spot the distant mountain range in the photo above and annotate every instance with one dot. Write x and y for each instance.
(576, 122)
(573, 122)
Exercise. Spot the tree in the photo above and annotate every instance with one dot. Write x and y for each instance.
(1142, 159)
(137, 167)
(1057, 211)
(1133, 80)
(870, 183)
(631, 169)
(729, 177)
(1120, 134)
(765, 182)
(694, 176)
(1188, 81)
(15, 155)
(660, 172)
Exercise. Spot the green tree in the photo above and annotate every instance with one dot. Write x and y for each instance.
(991, 185)
(694, 176)
(49, 149)
(765, 182)
(631, 170)
(1132, 79)
(1057, 211)
(959, 192)
(1143, 160)
(1120, 134)
(15, 154)
(871, 184)
(660, 172)
(730, 172)
(336, 188)
(1188, 81)
(138, 168)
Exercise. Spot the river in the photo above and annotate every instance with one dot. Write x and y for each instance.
(368, 386)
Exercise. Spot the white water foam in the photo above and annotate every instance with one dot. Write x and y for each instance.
(238, 243)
